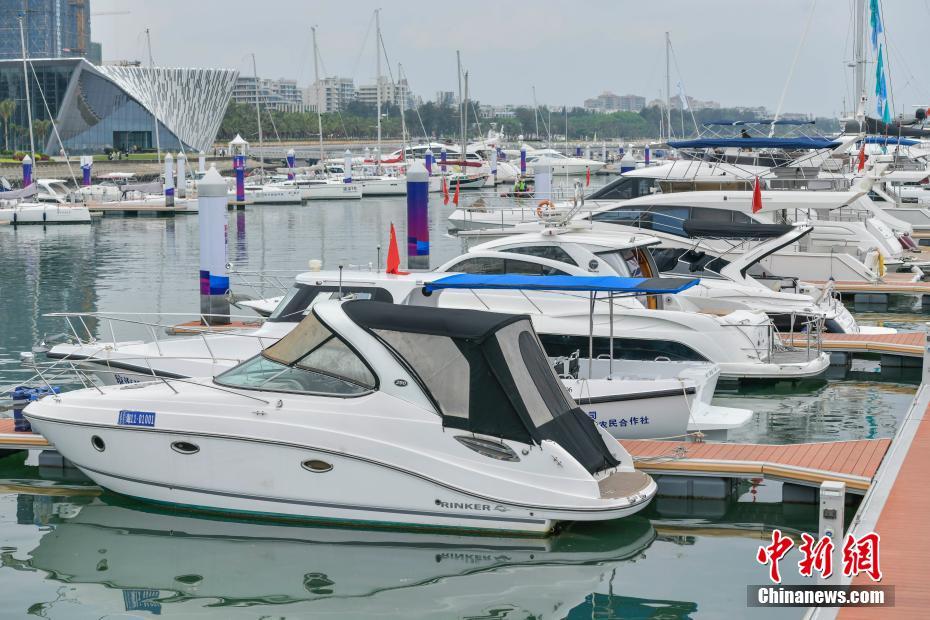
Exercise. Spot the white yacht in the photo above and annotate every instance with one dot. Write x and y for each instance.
(19, 207)
(365, 413)
(559, 164)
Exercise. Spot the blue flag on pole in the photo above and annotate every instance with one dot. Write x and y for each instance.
(876, 21)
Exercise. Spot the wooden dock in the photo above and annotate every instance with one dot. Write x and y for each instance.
(896, 508)
(808, 464)
(904, 344)
(10, 439)
(890, 284)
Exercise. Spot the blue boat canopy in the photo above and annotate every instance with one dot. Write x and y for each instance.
(611, 284)
(761, 121)
(754, 143)
(890, 140)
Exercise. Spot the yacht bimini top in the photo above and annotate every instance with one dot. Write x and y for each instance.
(485, 372)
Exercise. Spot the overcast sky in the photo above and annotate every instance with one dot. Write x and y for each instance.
(737, 52)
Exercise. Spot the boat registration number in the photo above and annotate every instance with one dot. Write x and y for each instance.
(136, 418)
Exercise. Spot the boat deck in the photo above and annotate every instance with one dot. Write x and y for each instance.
(809, 464)
(196, 327)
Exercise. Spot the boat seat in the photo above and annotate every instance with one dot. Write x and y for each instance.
(623, 484)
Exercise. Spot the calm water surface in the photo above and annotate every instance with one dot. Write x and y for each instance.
(67, 550)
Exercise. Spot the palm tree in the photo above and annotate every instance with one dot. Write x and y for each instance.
(40, 128)
(7, 107)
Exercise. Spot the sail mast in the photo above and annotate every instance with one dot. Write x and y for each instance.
(258, 115)
(32, 142)
(148, 41)
(860, 60)
(378, 80)
(319, 106)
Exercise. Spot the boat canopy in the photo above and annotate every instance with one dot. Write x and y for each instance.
(486, 373)
(891, 140)
(755, 143)
(19, 194)
(714, 230)
(611, 284)
(761, 121)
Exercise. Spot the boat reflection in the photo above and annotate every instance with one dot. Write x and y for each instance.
(158, 557)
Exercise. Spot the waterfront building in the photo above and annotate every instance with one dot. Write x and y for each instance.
(335, 94)
(114, 106)
(279, 95)
(609, 102)
(392, 93)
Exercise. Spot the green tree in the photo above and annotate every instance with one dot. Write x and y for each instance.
(41, 128)
(7, 107)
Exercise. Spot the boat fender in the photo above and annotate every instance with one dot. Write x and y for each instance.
(544, 208)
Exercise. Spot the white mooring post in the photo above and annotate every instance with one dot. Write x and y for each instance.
(181, 191)
(832, 515)
(169, 180)
(214, 280)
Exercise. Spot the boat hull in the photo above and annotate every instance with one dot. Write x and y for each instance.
(45, 214)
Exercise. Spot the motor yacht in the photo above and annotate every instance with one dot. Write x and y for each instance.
(366, 413)
(19, 207)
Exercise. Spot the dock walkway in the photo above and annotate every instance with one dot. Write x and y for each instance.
(10, 439)
(904, 344)
(809, 464)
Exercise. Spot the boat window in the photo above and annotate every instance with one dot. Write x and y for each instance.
(625, 216)
(495, 265)
(557, 345)
(552, 252)
(302, 297)
(310, 359)
(624, 188)
(742, 218)
(623, 262)
(670, 219)
(667, 259)
(435, 359)
(706, 214)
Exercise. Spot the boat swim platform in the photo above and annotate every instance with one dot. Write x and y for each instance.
(901, 349)
(807, 464)
(197, 327)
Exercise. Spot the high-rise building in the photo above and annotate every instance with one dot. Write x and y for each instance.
(609, 102)
(445, 98)
(335, 94)
(51, 28)
(393, 93)
(277, 95)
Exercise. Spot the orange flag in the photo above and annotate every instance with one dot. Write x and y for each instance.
(393, 257)
(757, 196)
(445, 192)
(587, 176)
(861, 164)
(455, 199)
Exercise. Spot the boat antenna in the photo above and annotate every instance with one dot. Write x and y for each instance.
(148, 39)
(32, 141)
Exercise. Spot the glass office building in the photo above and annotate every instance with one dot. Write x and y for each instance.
(95, 108)
(52, 28)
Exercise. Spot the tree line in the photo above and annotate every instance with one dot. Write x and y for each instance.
(359, 121)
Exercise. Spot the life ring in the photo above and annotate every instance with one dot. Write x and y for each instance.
(544, 208)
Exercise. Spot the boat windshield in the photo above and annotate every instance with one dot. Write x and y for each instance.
(309, 360)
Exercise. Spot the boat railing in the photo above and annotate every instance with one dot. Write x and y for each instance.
(80, 329)
(811, 326)
(279, 281)
(55, 372)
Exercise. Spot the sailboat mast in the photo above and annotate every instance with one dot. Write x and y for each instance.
(860, 60)
(258, 115)
(465, 122)
(403, 120)
(378, 79)
(319, 106)
(668, 86)
(536, 112)
(148, 41)
(22, 41)
(458, 72)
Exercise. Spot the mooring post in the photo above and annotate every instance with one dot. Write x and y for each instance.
(347, 167)
(494, 166)
(523, 161)
(291, 164)
(27, 171)
(87, 163)
(182, 175)
(211, 217)
(417, 217)
(202, 163)
(542, 172)
(169, 180)
(832, 514)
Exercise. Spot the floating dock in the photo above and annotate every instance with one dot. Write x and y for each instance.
(112, 208)
(902, 349)
(873, 292)
(11, 439)
(806, 464)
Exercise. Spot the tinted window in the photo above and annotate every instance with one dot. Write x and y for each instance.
(670, 219)
(666, 258)
(626, 216)
(624, 348)
(624, 188)
(297, 303)
(552, 252)
(531, 269)
(480, 265)
(720, 216)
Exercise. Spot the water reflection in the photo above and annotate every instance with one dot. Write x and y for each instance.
(158, 558)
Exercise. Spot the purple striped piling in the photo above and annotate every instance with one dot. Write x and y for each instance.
(417, 217)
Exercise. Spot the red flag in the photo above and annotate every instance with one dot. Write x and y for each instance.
(455, 199)
(445, 192)
(861, 158)
(393, 257)
(757, 196)
(587, 176)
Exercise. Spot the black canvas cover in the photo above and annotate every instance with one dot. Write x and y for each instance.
(735, 231)
(495, 406)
